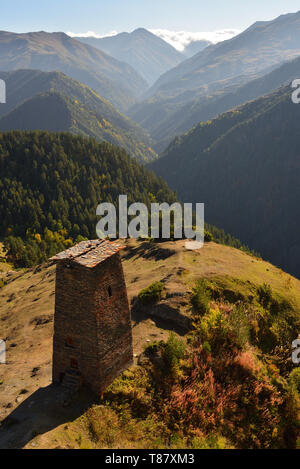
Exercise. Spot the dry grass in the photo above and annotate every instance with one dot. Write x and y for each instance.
(27, 305)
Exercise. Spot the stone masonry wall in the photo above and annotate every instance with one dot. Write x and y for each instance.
(91, 308)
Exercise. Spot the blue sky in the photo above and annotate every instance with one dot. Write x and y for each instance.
(103, 16)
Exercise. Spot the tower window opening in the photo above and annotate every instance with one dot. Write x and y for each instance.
(70, 342)
(74, 364)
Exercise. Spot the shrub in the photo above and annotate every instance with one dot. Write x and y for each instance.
(208, 237)
(265, 295)
(213, 329)
(151, 294)
(240, 325)
(152, 349)
(294, 380)
(173, 352)
(201, 298)
(103, 425)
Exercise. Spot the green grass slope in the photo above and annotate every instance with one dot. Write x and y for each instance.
(225, 382)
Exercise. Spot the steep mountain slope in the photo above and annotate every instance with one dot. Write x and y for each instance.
(56, 112)
(92, 115)
(245, 166)
(263, 44)
(26, 314)
(116, 81)
(58, 180)
(150, 55)
(180, 98)
(181, 117)
(196, 46)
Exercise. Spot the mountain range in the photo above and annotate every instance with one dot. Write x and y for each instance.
(179, 117)
(265, 43)
(55, 102)
(196, 46)
(244, 165)
(116, 81)
(225, 102)
(178, 99)
(148, 54)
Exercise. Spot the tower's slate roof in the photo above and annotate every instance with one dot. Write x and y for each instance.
(89, 253)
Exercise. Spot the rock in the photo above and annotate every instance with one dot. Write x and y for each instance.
(42, 320)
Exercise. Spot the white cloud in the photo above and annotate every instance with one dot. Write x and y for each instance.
(180, 39)
(92, 34)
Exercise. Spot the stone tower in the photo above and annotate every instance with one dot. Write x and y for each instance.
(92, 341)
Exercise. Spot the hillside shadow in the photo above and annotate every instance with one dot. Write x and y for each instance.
(163, 315)
(148, 250)
(44, 410)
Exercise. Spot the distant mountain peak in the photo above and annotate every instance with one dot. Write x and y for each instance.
(40, 50)
(146, 52)
(141, 31)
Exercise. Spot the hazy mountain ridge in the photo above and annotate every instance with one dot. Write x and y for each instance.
(116, 81)
(244, 165)
(263, 44)
(189, 92)
(180, 117)
(149, 55)
(29, 92)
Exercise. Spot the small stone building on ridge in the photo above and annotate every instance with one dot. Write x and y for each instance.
(92, 341)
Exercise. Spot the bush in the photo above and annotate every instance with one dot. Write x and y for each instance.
(153, 348)
(151, 294)
(208, 237)
(173, 352)
(265, 295)
(294, 380)
(201, 298)
(240, 325)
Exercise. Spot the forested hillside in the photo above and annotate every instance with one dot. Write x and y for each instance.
(54, 102)
(51, 184)
(244, 165)
(179, 117)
